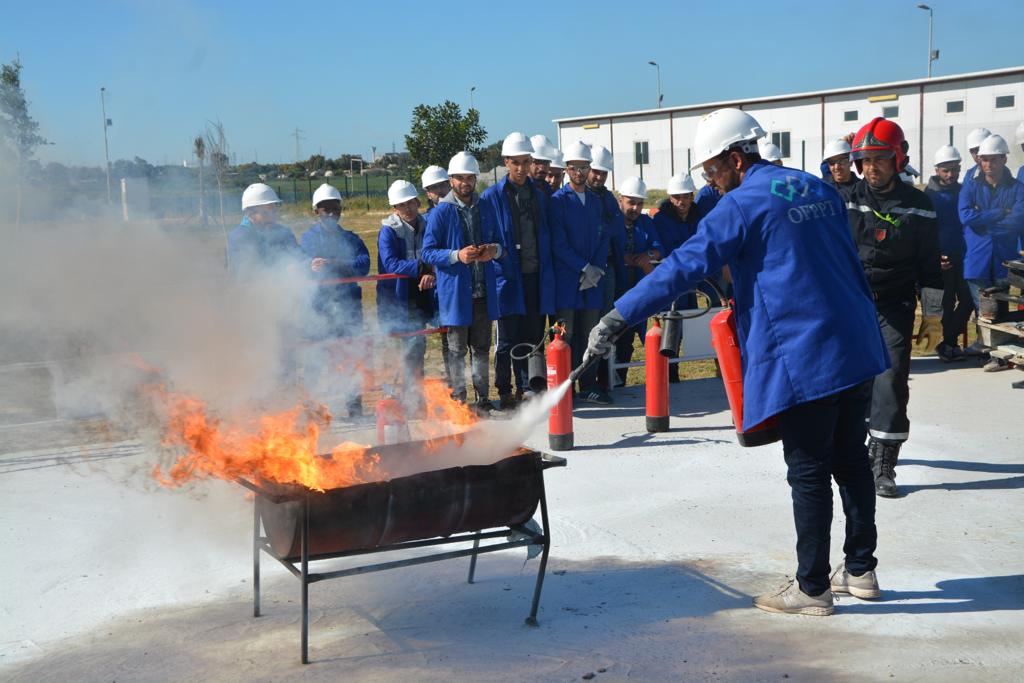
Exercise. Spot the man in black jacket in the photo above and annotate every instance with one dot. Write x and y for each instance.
(894, 228)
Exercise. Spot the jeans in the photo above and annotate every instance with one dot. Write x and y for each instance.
(891, 390)
(518, 329)
(578, 324)
(475, 338)
(978, 284)
(822, 440)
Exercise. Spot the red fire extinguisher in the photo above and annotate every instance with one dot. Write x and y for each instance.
(656, 375)
(727, 348)
(559, 361)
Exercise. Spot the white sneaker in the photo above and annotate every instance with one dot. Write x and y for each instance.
(864, 586)
(791, 600)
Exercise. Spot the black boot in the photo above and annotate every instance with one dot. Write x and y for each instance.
(883, 456)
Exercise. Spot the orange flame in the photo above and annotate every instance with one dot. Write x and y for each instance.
(444, 416)
(279, 447)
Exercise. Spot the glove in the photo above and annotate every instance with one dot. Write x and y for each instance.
(590, 277)
(929, 334)
(602, 338)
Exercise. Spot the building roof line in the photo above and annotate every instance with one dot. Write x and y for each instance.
(975, 75)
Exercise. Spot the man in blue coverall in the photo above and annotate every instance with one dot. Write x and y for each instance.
(992, 211)
(336, 253)
(260, 242)
(808, 336)
(579, 242)
(525, 277)
(460, 244)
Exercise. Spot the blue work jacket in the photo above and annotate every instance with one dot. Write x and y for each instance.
(805, 319)
(399, 251)
(945, 199)
(707, 198)
(455, 279)
(614, 223)
(993, 219)
(251, 249)
(346, 256)
(645, 238)
(495, 201)
(578, 238)
(672, 232)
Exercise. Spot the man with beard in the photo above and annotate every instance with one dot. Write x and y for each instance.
(556, 170)
(894, 227)
(840, 173)
(540, 163)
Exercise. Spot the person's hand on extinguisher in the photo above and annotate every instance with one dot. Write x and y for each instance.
(602, 338)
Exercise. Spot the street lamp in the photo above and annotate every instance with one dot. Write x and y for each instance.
(932, 54)
(471, 90)
(660, 96)
(106, 150)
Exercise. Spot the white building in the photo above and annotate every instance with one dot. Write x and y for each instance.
(932, 112)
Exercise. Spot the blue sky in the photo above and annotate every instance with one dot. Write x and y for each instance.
(349, 74)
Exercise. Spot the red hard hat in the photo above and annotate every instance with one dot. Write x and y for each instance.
(880, 135)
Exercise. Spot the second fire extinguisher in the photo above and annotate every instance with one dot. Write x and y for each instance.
(727, 347)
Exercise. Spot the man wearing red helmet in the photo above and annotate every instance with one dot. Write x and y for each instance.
(894, 227)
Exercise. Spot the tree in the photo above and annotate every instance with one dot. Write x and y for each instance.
(490, 156)
(199, 149)
(217, 145)
(18, 129)
(438, 132)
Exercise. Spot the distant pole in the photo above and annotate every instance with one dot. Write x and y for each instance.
(660, 96)
(931, 54)
(106, 148)
(471, 91)
(297, 134)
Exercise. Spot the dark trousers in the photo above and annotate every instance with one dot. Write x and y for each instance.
(518, 329)
(957, 303)
(822, 440)
(891, 389)
(578, 324)
(475, 340)
(624, 347)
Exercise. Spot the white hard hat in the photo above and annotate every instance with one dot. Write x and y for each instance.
(325, 193)
(993, 144)
(770, 152)
(542, 147)
(577, 151)
(516, 144)
(975, 137)
(463, 163)
(400, 192)
(908, 174)
(837, 147)
(557, 160)
(681, 183)
(433, 175)
(633, 187)
(1019, 134)
(259, 194)
(722, 129)
(602, 159)
(946, 154)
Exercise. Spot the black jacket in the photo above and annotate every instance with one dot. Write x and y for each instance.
(897, 239)
(844, 189)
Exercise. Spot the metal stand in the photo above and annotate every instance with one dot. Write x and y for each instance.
(302, 572)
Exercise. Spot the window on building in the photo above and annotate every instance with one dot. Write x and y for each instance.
(891, 112)
(781, 140)
(850, 115)
(954, 107)
(640, 156)
(1005, 102)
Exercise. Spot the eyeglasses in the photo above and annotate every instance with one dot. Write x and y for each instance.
(578, 169)
(844, 161)
(710, 173)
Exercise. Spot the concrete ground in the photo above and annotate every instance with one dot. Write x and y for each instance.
(659, 542)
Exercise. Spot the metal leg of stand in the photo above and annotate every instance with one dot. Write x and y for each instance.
(532, 619)
(256, 557)
(305, 580)
(472, 559)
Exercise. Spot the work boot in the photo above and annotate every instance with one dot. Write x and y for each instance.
(949, 353)
(864, 586)
(507, 402)
(883, 456)
(484, 408)
(791, 600)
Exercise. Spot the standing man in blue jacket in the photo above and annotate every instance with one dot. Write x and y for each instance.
(525, 278)
(640, 247)
(409, 303)
(556, 170)
(808, 338)
(259, 242)
(1018, 135)
(611, 215)
(992, 211)
(974, 140)
(543, 152)
(956, 304)
(336, 253)
(579, 242)
(461, 244)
